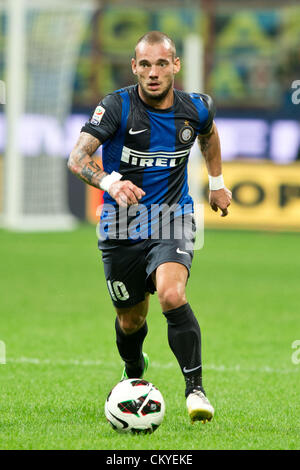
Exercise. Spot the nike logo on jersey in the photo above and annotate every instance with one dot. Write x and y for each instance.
(191, 370)
(132, 132)
(181, 252)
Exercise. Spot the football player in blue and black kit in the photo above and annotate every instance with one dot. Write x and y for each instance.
(147, 131)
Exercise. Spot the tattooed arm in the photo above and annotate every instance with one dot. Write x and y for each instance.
(211, 151)
(82, 165)
(81, 162)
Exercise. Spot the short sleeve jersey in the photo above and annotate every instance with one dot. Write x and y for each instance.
(150, 146)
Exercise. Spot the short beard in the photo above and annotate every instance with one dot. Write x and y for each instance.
(156, 98)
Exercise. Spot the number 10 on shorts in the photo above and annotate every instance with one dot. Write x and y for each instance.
(117, 290)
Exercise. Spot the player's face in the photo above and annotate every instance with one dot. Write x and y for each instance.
(155, 68)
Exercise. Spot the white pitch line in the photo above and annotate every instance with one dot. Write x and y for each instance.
(168, 365)
(64, 362)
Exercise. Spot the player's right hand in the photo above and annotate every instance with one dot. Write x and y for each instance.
(125, 193)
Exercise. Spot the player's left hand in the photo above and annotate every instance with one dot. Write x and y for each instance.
(220, 199)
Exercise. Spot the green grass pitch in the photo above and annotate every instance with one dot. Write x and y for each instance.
(57, 323)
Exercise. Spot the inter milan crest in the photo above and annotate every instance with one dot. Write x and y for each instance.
(186, 133)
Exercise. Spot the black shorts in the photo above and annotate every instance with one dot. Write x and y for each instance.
(128, 266)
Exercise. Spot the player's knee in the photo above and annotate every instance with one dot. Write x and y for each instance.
(171, 297)
(131, 323)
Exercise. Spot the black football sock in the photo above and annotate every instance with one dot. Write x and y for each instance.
(130, 349)
(184, 338)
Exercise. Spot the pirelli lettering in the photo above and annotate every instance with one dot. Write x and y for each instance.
(146, 159)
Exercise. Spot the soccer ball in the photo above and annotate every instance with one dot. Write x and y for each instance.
(136, 406)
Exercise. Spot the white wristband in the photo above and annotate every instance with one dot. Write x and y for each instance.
(216, 182)
(109, 179)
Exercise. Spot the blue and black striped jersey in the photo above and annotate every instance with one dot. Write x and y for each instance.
(150, 146)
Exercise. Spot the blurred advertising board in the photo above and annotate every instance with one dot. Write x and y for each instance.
(265, 196)
(240, 137)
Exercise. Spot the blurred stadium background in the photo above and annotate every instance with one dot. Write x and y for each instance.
(245, 54)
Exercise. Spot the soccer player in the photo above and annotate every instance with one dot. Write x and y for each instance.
(147, 131)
